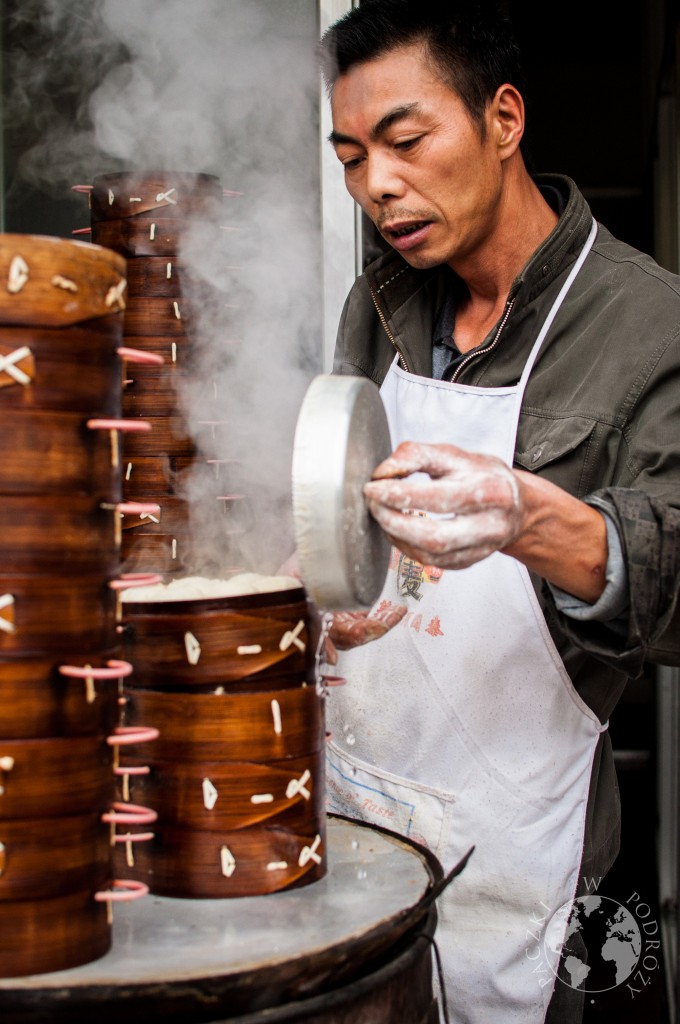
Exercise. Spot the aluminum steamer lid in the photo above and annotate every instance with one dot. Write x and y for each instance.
(341, 436)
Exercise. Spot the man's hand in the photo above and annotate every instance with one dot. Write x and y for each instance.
(485, 506)
(352, 629)
(475, 500)
(348, 629)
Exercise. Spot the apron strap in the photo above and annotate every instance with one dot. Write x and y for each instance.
(555, 309)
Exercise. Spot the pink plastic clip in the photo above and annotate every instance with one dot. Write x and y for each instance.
(129, 814)
(127, 425)
(137, 508)
(137, 355)
(125, 735)
(114, 670)
(333, 680)
(136, 579)
(123, 890)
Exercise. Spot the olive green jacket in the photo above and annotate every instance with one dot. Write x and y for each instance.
(600, 418)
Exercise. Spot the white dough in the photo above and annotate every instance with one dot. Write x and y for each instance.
(192, 588)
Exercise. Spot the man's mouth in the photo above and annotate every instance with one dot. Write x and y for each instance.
(402, 230)
(407, 236)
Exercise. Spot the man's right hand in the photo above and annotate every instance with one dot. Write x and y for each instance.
(353, 629)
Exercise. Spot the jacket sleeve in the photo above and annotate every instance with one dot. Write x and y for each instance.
(649, 528)
(341, 360)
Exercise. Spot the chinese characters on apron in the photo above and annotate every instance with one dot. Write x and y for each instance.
(462, 728)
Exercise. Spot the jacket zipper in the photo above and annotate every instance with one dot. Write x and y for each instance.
(468, 359)
(388, 332)
(489, 348)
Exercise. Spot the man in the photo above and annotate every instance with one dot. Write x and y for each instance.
(529, 364)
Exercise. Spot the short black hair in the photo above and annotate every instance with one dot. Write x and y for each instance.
(471, 42)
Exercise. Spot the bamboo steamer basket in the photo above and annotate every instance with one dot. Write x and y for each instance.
(46, 452)
(155, 276)
(166, 434)
(179, 350)
(149, 477)
(43, 533)
(157, 315)
(240, 638)
(153, 390)
(55, 282)
(38, 936)
(41, 698)
(175, 194)
(67, 369)
(188, 863)
(163, 553)
(162, 542)
(55, 777)
(214, 796)
(61, 614)
(176, 351)
(150, 234)
(175, 315)
(172, 517)
(258, 726)
(160, 390)
(144, 475)
(46, 857)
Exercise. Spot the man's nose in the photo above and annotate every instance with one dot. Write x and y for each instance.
(382, 179)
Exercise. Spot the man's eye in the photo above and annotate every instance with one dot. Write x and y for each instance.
(352, 163)
(404, 144)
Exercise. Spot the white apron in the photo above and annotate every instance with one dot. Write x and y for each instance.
(462, 728)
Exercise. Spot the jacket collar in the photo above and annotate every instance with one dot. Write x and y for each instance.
(393, 282)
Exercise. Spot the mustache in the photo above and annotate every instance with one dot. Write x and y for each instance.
(399, 213)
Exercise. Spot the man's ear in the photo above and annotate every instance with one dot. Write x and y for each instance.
(507, 117)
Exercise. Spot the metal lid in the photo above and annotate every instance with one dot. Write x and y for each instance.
(341, 436)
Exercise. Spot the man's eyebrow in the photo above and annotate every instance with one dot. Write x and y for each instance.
(378, 129)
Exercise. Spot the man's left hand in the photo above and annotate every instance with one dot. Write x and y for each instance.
(474, 500)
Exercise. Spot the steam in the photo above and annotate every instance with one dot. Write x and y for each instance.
(222, 87)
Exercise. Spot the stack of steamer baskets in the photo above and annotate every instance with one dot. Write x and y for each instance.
(143, 217)
(61, 308)
(236, 775)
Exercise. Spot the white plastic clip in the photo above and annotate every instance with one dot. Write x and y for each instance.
(18, 275)
(6, 765)
(114, 296)
(7, 364)
(6, 626)
(291, 637)
(227, 862)
(193, 648)
(308, 853)
(210, 795)
(296, 786)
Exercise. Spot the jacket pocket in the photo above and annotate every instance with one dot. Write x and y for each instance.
(561, 447)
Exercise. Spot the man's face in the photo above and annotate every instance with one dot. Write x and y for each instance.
(414, 160)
